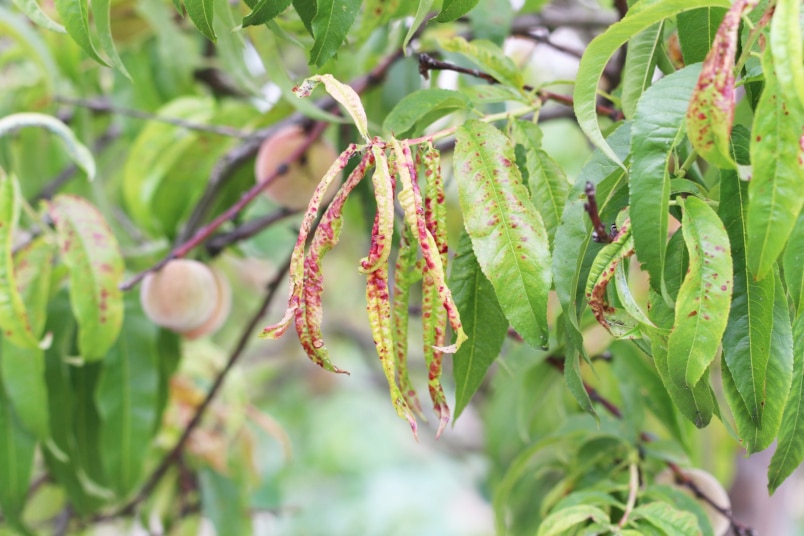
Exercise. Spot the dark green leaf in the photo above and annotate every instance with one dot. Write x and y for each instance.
(101, 14)
(778, 378)
(75, 16)
(420, 109)
(547, 182)
(507, 233)
(455, 9)
(705, 295)
(776, 189)
(422, 11)
(601, 49)
(696, 31)
(306, 10)
(202, 13)
(640, 64)
(483, 321)
(90, 252)
(790, 450)
(658, 128)
(126, 397)
(331, 24)
(264, 11)
(793, 263)
(747, 340)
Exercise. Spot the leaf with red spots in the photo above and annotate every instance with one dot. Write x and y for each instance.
(776, 189)
(711, 110)
(507, 232)
(90, 252)
(410, 199)
(14, 320)
(640, 17)
(747, 339)
(310, 313)
(296, 270)
(702, 307)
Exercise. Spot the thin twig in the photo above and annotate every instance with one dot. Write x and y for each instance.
(178, 448)
(600, 234)
(219, 242)
(104, 106)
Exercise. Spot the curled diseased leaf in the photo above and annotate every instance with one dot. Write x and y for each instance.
(434, 320)
(603, 270)
(404, 276)
(310, 314)
(344, 94)
(411, 201)
(711, 111)
(384, 221)
(296, 270)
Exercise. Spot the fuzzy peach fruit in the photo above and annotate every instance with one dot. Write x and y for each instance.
(182, 296)
(294, 188)
(222, 309)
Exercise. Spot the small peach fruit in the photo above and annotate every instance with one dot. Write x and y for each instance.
(182, 296)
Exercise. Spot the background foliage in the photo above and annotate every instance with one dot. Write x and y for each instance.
(629, 219)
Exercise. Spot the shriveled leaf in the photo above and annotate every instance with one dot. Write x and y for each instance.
(101, 14)
(658, 129)
(747, 339)
(561, 521)
(601, 49)
(711, 111)
(547, 182)
(420, 109)
(489, 57)
(778, 378)
(793, 264)
(483, 320)
(331, 24)
(202, 13)
(14, 321)
(264, 11)
(126, 397)
(508, 235)
(343, 93)
(75, 16)
(696, 31)
(34, 12)
(776, 189)
(790, 450)
(455, 9)
(77, 150)
(705, 295)
(640, 64)
(90, 252)
(666, 518)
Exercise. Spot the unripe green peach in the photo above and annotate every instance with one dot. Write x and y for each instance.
(222, 308)
(710, 487)
(294, 188)
(182, 296)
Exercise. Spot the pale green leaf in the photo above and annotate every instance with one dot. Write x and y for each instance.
(696, 31)
(640, 64)
(776, 189)
(507, 233)
(331, 24)
(603, 47)
(34, 12)
(786, 49)
(455, 9)
(16, 28)
(202, 13)
(77, 150)
(790, 450)
(559, 522)
(126, 397)
(489, 57)
(90, 252)
(793, 264)
(482, 319)
(705, 295)
(420, 109)
(75, 16)
(422, 11)
(223, 502)
(658, 129)
(101, 14)
(668, 519)
(376, 13)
